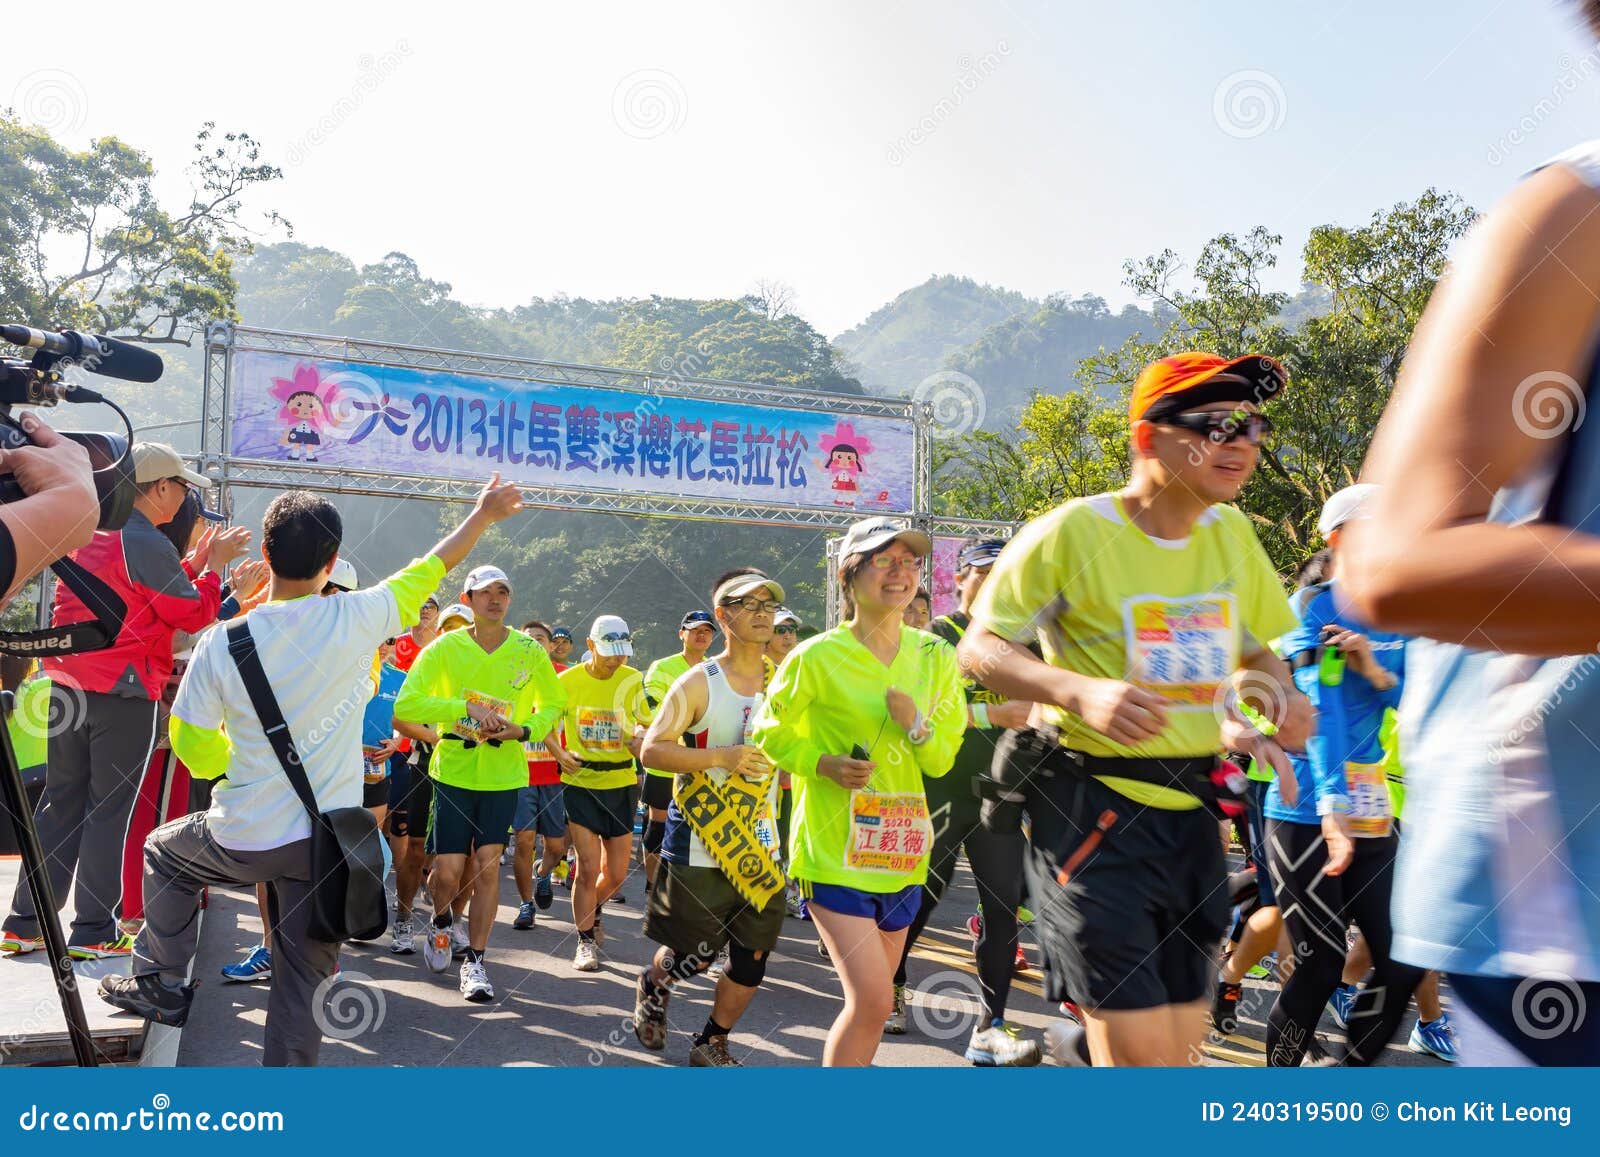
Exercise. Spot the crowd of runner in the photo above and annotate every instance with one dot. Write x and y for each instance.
(1124, 692)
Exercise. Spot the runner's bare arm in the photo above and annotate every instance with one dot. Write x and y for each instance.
(1494, 373)
(685, 703)
(418, 731)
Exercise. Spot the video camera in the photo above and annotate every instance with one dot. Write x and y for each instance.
(42, 381)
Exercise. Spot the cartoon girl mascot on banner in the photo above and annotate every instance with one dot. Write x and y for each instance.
(306, 399)
(844, 449)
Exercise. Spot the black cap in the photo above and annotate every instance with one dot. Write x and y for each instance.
(694, 618)
(980, 553)
(561, 633)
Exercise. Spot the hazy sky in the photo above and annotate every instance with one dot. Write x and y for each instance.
(850, 149)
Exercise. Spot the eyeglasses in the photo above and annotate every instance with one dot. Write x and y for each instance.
(615, 637)
(789, 629)
(883, 562)
(753, 605)
(389, 642)
(1222, 426)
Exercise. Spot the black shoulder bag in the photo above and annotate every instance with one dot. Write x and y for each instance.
(347, 901)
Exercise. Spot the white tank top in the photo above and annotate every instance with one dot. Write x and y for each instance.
(726, 723)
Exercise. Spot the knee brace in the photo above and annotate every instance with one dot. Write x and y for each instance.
(655, 831)
(746, 966)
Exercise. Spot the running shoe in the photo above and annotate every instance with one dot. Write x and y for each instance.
(149, 996)
(587, 957)
(713, 1054)
(256, 965)
(619, 898)
(436, 949)
(524, 920)
(1020, 963)
(1265, 969)
(822, 949)
(1002, 1044)
(975, 928)
(650, 1016)
(459, 940)
(1435, 1037)
(895, 1025)
(116, 949)
(20, 945)
(1024, 914)
(403, 938)
(1316, 1056)
(1067, 1044)
(1225, 1007)
(543, 893)
(1340, 1004)
(475, 984)
(719, 965)
(1072, 1012)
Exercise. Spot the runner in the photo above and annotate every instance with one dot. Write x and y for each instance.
(454, 617)
(994, 857)
(871, 702)
(602, 725)
(727, 892)
(496, 685)
(920, 613)
(1333, 850)
(409, 644)
(561, 639)
(1146, 603)
(785, 634)
(380, 747)
(410, 794)
(541, 814)
(696, 632)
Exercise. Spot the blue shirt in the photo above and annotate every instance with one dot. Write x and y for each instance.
(378, 723)
(1349, 715)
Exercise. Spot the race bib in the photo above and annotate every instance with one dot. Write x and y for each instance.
(1182, 649)
(889, 832)
(1370, 813)
(372, 771)
(600, 728)
(467, 727)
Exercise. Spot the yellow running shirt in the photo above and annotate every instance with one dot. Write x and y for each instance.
(600, 718)
(1106, 600)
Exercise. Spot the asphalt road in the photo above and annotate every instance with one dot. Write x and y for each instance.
(389, 1010)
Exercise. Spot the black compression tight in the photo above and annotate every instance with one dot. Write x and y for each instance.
(1316, 910)
(996, 863)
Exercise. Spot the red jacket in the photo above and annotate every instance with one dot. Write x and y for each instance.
(142, 566)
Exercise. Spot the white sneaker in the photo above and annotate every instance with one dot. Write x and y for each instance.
(475, 984)
(1000, 1044)
(436, 949)
(586, 959)
(403, 940)
(895, 1023)
(459, 940)
(719, 965)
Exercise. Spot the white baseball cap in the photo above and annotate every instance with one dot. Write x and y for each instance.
(610, 636)
(871, 533)
(748, 584)
(343, 575)
(1348, 505)
(456, 611)
(484, 576)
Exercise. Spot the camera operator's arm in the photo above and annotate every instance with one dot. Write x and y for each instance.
(59, 510)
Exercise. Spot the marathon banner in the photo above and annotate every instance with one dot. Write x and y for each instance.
(355, 416)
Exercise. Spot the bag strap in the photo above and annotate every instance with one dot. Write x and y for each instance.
(242, 647)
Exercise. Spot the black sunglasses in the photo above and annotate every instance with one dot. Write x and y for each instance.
(1223, 425)
(785, 630)
(615, 637)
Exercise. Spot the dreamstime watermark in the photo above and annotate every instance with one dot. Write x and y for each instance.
(958, 402)
(348, 1004)
(51, 99)
(1531, 721)
(1548, 1004)
(1548, 404)
(948, 1004)
(1572, 74)
(373, 71)
(1249, 103)
(649, 103)
(63, 710)
(970, 75)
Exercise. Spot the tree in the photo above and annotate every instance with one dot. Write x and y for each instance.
(136, 269)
